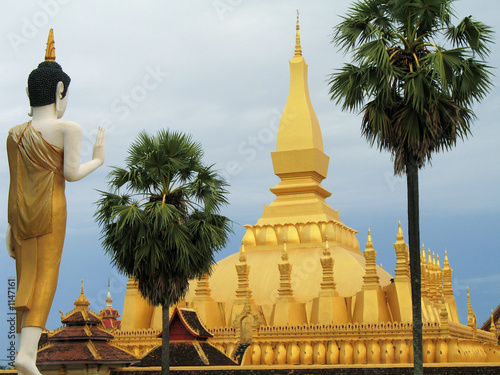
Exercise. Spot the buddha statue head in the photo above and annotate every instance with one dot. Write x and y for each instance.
(48, 84)
(43, 84)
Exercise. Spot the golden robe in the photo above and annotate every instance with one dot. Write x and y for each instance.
(37, 215)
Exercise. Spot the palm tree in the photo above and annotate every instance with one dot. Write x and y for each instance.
(161, 221)
(415, 93)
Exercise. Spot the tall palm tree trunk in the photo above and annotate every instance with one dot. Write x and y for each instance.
(414, 243)
(165, 341)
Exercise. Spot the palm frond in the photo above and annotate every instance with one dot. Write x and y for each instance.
(471, 34)
(169, 234)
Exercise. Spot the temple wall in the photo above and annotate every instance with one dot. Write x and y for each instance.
(320, 370)
(350, 344)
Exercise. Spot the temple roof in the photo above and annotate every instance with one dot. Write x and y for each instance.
(75, 317)
(70, 352)
(81, 333)
(186, 325)
(188, 353)
(108, 315)
(81, 314)
(496, 319)
(81, 340)
(188, 346)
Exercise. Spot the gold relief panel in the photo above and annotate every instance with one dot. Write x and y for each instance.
(330, 231)
(289, 234)
(311, 233)
(266, 235)
(249, 237)
(319, 353)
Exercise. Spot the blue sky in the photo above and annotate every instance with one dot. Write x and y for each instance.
(219, 70)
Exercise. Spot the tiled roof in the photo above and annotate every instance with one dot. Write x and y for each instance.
(190, 321)
(82, 352)
(44, 339)
(81, 333)
(496, 317)
(191, 317)
(185, 353)
(215, 356)
(77, 318)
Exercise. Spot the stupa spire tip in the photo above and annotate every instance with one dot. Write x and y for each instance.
(298, 49)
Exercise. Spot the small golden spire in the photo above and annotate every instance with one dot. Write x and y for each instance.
(284, 255)
(109, 301)
(469, 306)
(326, 252)
(50, 51)
(446, 263)
(243, 257)
(369, 243)
(370, 279)
(399, 236)
(437, 262)
(298, 50)
(81, 302)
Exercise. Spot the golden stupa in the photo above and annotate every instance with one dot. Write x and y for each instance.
(300, 291)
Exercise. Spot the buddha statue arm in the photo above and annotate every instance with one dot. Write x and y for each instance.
(73, 170)
(9, 241)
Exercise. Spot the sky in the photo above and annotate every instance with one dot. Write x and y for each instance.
(218, 70)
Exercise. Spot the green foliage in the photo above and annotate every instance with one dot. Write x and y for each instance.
(161, 220)
(415, 94)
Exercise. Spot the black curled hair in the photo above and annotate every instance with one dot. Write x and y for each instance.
(42, 83)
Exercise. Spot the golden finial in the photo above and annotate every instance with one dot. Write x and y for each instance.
(326, 252)
(446, 263)
(298, 50)
(50, 51)
(284, 255)
(400, 236)
(469, 306)
(369, 243)
(437, 262)
(82, 300)
(243, 257)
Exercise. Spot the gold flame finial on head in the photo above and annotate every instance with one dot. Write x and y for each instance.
(50, 51)
(298, 50)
